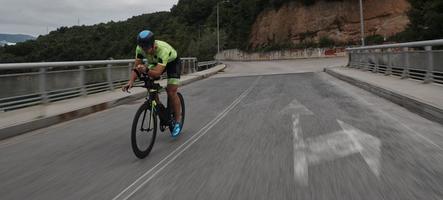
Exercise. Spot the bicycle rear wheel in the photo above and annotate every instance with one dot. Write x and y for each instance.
(182, 106)
(144, 131)
(182, 103)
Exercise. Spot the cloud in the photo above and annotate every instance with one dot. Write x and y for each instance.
(34, 17)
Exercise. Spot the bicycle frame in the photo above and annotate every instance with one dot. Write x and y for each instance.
(151, 99)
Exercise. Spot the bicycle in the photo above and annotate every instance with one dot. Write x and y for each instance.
(153, 109)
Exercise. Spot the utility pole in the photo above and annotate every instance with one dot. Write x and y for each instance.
(362, 24)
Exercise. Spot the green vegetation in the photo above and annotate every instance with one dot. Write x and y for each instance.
(426, 17)
(326, 42)
(374, 39)
(190, 27)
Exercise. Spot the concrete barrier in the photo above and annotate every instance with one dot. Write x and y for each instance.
(238, 55)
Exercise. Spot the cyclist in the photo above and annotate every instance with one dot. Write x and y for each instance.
(160, 57)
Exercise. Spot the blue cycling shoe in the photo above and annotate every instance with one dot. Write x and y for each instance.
(177, 128)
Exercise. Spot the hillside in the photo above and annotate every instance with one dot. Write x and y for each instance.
(338, 21)
(252, 25)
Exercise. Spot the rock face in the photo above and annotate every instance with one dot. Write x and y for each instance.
(338, 20)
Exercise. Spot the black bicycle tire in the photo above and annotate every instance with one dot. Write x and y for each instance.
(182, 103)
(142, 153)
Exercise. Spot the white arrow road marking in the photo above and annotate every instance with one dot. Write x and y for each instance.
(368, 146)
(300, 163)
(296, 108)
(332, 146)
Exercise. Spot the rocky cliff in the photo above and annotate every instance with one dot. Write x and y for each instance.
(338, 20)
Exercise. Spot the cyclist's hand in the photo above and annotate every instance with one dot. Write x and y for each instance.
(127, 87)
(141, 68)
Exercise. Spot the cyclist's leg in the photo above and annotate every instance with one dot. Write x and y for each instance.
(174, 101)
(173, 71)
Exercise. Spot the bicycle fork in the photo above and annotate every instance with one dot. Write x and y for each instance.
(151, 115)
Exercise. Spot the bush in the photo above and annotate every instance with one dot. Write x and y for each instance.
(374, 39)
(326, 42)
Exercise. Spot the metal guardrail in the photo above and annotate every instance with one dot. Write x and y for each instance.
(28, 84)
(416, 60)
(206, 65)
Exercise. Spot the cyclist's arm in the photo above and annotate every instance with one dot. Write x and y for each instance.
(163, 57)
(137, 64)
(156, 71)
(134, 76)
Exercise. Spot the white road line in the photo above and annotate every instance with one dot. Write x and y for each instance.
(300, 162)
(146, 177)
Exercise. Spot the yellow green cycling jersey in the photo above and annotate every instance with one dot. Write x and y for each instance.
(164, 53)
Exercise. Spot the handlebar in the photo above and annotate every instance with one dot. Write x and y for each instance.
(149, 82)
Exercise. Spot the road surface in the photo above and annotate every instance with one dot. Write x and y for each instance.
(259, 130)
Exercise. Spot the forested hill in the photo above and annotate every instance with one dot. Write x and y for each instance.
(190, 26)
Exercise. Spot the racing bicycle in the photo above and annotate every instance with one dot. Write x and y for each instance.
(145, 123)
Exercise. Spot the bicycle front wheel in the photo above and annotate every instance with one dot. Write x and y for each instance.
(144, 131)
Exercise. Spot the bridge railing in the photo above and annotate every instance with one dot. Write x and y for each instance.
(28, 84)
(417, 60)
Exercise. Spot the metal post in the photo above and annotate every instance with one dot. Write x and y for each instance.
(405, 73)
(376, 62)
(182, 68)
(362, 24)
(109, 76)
(430, 69)
(350, 58)
(389, 65)
(82, 81)
(42, 85)
(218, 29)
(194, 66)
(379, 63)
(368, 59)
(129, 69)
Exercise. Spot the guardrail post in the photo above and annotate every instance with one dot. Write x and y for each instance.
(42, 85)
(109, 76)
(376, 61)
(389, 64)
(181, 66)
(358, 59)
(365, 58)
(368, 59)
(362, 59)
(350, 58)
(129, 70)
(82, 81)
(405, 73)
(430, 68)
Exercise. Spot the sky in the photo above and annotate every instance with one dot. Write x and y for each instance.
(37, 17)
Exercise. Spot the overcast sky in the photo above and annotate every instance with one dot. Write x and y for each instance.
(35, 17)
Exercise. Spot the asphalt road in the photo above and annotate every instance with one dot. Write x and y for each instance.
(297, 135)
